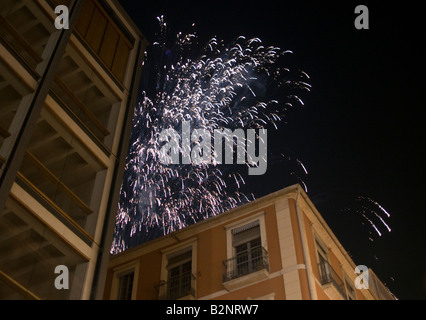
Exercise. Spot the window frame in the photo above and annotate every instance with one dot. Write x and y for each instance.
(190, 245)
(120, 278)
(230, 250)
(319, 245)
(178, 282)
(349, 282)
(321, 253)
(122, 271)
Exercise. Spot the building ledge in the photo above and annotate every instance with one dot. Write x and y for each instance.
(187, 297)
(245, 280)
(332, 292)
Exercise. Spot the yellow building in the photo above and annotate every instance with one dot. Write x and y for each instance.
(67, 97)
(277, 247)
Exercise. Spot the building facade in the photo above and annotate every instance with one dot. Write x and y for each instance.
(67, 98)
(277, 247)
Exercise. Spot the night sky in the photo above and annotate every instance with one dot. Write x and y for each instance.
(361, 131)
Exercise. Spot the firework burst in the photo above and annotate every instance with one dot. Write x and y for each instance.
(224, 86)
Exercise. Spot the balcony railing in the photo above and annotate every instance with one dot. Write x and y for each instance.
(245, 262)
(178, 287)
(330, 277)
(19, 45)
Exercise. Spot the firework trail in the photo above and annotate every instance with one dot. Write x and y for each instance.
(223, 86)
(373, 214)
(298, 170)
(370, 207)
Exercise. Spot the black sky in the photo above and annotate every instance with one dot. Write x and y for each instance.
(361, 131)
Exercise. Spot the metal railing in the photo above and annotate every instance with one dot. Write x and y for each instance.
(178, 287)
(329, 276)
(245, 262)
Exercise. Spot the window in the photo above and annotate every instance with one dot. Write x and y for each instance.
(350, 291)
(125, 286)
(125, 280)
(247, 248)
(177, 279)
(179, 275)
(324, 266)
(322, 251)
(330, 279)
(247, 254)
(178, 270)
(105, 37)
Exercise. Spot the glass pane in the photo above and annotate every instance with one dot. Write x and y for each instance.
(249, 257)
(179, 282)
(241, 248)
(126, 287)
(242, 259)
(255, 243)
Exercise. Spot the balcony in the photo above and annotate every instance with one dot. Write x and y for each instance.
(25, 30)
(331, 282)
(245, 268)
(181, 287)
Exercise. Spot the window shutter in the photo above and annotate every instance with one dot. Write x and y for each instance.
(179, 259)
(245, 233)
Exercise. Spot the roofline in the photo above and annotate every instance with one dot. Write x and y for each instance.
(211, 222)
(255, 205)
(173, 237)
(123, 15)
